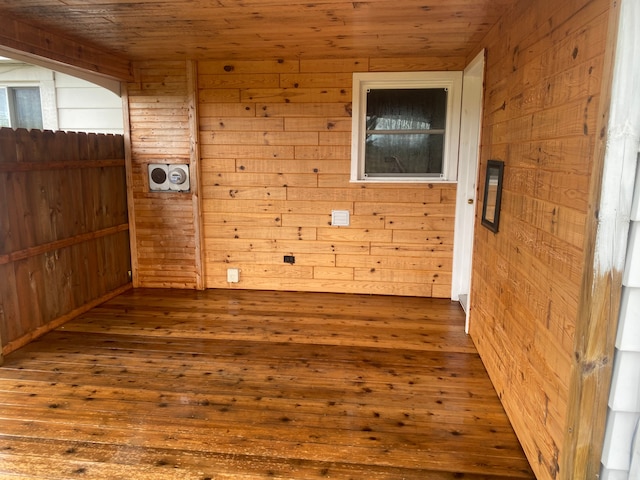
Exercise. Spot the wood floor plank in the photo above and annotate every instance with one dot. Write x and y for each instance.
(231, 384)
(168, 463)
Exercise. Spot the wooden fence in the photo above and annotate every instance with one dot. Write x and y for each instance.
(64, 232)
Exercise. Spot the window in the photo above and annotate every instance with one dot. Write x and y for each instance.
(405, 126)
(20, 107)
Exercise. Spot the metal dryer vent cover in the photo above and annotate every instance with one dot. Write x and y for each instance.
(165, 177)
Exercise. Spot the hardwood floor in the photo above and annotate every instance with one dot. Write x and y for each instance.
(168, 384)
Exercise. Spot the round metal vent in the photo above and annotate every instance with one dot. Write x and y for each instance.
(158, 175)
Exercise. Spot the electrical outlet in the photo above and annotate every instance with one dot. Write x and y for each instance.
(289, 259)
(233, 275)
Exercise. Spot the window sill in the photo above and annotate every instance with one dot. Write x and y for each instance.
(402, 180)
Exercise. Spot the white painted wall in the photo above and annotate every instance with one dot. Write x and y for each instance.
(68, 103)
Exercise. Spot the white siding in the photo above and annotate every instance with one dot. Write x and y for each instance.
(83, 106)
(624, 401)
(620, 457)
(68, 103)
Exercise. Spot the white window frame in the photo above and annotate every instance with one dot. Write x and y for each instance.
(15, 73)
(451, 80)
(11, 107)
(6, 104)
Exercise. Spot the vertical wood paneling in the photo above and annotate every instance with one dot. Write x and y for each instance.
(618, 220)
(166, 233)
(194, 165)
(64, 235)
(275, 144)
(133, 237)
(545, 64)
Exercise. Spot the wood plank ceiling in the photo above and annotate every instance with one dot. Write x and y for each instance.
(257, 29)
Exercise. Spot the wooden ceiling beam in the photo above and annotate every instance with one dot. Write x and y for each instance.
(37, 43)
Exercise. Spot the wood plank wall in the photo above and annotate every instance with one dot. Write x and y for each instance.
(275, 143)
(275, 155)
(166, 245)
(64, 239)
(544, 77)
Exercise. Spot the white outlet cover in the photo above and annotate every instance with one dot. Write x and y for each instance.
(233, 275)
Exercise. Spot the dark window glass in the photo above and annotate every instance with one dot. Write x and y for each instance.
(405, 131)
(27, 110)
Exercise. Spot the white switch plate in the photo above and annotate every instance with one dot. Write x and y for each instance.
(340, 218)
(233, 275)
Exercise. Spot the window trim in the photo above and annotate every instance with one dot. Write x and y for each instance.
(452, 80)
(15, 73)
(6, 104)
(14, 107)
(11, 108)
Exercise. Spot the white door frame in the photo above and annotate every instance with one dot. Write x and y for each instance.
(469, 157)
